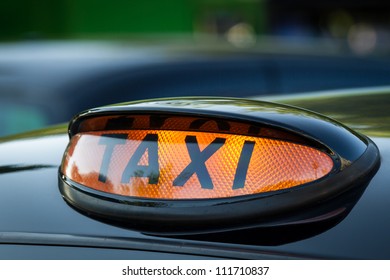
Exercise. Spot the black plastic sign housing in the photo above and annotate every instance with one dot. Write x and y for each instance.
(355, 158)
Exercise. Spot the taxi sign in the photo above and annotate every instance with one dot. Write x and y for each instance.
(174, 160)
(165, 164)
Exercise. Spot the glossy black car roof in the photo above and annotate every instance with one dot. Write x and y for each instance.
(33, 213)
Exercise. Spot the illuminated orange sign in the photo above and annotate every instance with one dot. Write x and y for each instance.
(165, 164)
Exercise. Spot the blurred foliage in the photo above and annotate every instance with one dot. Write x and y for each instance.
(91, 16)
(46, 19)
(32, 19)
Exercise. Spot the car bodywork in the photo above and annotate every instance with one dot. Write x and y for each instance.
(36, 222)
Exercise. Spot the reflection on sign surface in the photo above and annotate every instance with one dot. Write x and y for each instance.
(167, 164)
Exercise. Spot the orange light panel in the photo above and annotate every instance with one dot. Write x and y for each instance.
(166, 164)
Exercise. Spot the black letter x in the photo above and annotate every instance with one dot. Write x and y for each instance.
(198, 160)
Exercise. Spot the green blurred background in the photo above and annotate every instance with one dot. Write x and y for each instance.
(241, 22)
(21, 19)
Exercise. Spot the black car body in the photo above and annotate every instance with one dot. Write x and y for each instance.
(37, 223)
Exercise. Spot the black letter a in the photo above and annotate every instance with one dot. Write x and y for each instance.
(151, 171)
